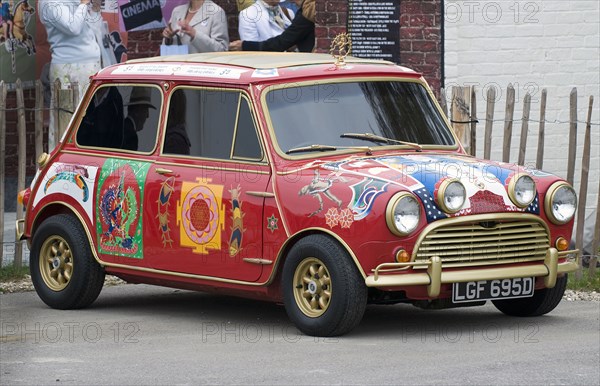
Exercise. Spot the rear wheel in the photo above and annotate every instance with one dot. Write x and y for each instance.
(324, 294)
(63, 270)
(542, 301)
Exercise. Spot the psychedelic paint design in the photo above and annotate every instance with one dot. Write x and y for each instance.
(364, 194)
(119, 203)
(73, 180)
(485, 184)
(320, 185)
(237, 220)
(201, 216)
(164, 202)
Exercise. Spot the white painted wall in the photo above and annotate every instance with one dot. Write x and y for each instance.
(547, 44)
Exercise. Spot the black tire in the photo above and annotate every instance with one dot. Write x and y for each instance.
(339, 296)
(63, 270)
(542, 301)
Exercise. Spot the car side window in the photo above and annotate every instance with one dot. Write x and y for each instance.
(204, 123)
(247, 145)
(122, 118)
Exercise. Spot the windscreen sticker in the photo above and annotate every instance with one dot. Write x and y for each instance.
(265, 73)
(191, 70)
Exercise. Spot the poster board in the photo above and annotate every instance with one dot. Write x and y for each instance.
(374, 27)
(26, 54)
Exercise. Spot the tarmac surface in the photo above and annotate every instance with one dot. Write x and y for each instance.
(140, 334)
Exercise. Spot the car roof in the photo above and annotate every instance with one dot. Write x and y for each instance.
(247, 67)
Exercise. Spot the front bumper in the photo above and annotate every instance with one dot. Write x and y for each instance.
(435, 276)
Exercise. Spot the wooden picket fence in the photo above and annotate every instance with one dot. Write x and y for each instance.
(65, 102)
(464, 118)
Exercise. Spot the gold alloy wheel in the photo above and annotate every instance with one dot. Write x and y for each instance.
(312, 287)
(56, 263)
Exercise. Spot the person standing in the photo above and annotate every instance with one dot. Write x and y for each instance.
(200, 24)
(264, 20)
(301, 33)
(75, 52)
(138, 111)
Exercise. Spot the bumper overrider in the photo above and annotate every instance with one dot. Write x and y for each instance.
(19, 229)
(384, 275)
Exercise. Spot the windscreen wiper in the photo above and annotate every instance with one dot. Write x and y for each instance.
(317, 147)
(311, 148)
(380, 139)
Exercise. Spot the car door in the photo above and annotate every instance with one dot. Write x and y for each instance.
(116, 141)
(206, 192)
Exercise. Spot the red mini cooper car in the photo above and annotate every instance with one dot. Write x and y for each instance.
(321, 183)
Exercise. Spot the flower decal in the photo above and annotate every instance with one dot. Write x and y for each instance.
(272, 223)
(332, 217)
(346, 218)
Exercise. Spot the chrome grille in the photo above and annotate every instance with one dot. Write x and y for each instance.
(483, 243)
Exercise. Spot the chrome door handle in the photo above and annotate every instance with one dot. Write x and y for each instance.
(163, 171)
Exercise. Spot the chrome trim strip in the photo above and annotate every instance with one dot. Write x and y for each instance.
(261, 194)
(253, 260)
(217, 168)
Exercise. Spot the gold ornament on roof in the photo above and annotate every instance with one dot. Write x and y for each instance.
(341, 47)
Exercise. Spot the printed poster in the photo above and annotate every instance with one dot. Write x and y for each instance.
(25, 53)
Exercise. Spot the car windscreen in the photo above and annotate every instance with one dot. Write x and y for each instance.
(321, 113)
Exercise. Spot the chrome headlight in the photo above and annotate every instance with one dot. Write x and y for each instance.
(403, 213)
(560, 203)
(451, 195)
(521, 190)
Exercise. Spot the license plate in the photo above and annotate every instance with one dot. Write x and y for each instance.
(472, 291)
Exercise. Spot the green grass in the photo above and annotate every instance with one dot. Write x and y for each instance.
(586, 283)
(10, 273)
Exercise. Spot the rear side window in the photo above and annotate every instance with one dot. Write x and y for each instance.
(211, 123)
(122, 118)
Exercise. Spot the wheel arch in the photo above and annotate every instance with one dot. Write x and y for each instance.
(292, 240)
(56, 208)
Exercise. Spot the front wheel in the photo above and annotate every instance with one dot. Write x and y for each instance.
(323, 292)
(542, 301)
(63, 270)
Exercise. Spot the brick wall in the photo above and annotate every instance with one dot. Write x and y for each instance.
(420, 34)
